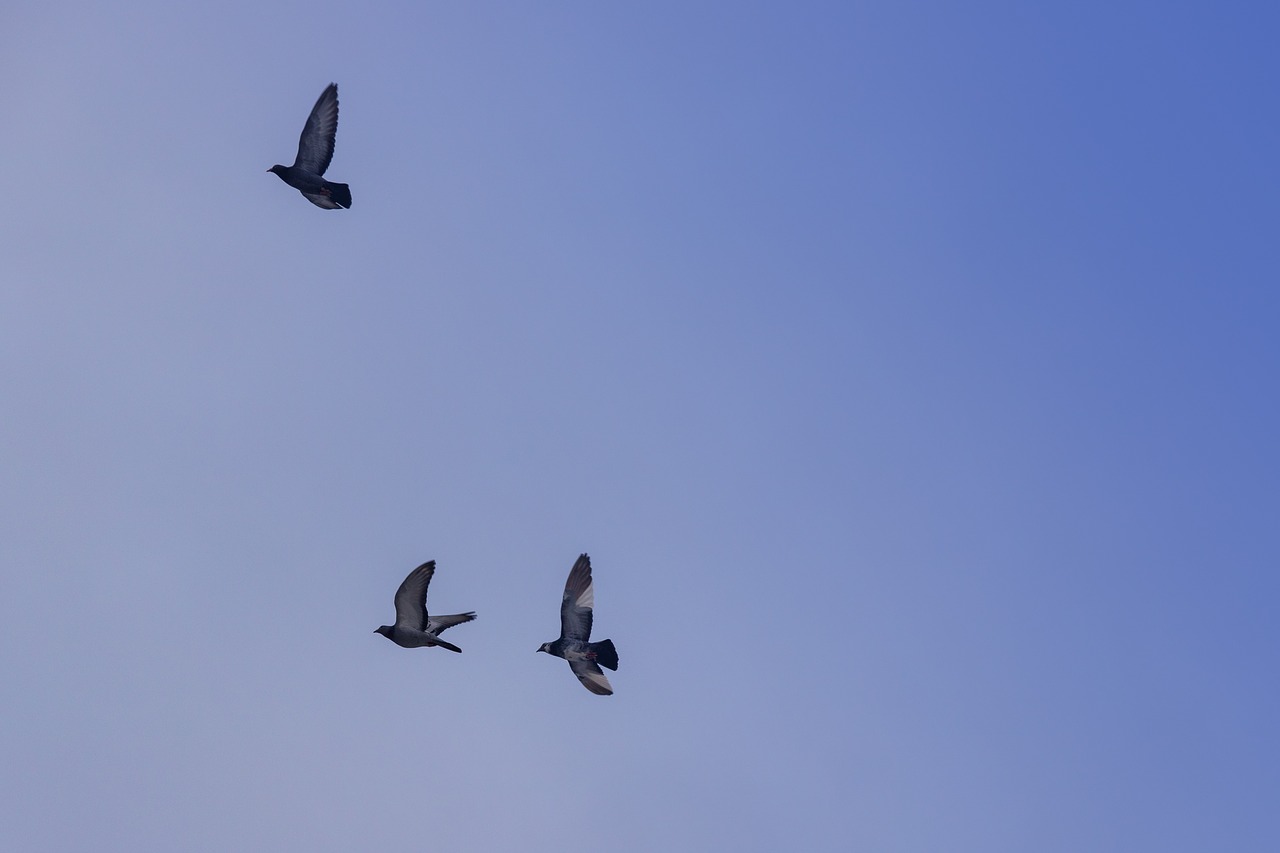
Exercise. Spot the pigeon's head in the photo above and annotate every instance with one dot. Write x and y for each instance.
(545, 647)
(384, 630)
(278, 169)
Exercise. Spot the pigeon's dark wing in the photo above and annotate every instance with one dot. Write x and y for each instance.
(591, 676)
(575, 607)
(436, 624)
(322, 201)
(411, 597)
(315, 147)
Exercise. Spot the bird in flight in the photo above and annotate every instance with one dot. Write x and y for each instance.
(414, 628)
(585, 657)
(315, 150)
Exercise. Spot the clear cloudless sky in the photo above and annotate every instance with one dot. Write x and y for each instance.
(909, 371)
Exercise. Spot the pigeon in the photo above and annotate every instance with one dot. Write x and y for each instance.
(413, 626)
(315, 150)
(585, 658)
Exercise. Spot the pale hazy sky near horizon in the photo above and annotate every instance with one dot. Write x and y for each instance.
(908, 371)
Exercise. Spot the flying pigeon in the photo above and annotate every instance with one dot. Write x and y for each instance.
(315, 150)
(585, 658)
(413, 626)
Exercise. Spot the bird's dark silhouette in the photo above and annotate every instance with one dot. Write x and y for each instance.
(315, 150)
(585, 657)
(414, 628)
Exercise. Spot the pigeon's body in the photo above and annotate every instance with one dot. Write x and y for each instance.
(408, 638)
(315, 150)
(585, 657)
(414, 628)
(317, 190)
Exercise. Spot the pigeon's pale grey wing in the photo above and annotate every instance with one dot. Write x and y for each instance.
(411, 597)
(315, 147)
(575, 607)
(321, 201)
(436, 624)
(591, 676)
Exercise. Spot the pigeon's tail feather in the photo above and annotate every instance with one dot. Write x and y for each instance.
(340, 193)
(606, 654)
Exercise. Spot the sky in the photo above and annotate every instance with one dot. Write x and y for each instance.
(907, 370)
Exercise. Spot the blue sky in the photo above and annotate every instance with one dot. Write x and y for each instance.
(908, 372)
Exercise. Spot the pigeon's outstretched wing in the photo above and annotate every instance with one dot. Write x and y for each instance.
(575, 607)
(411, 597)
(436, 624)
(315, 147)
(324, 201)
(591, 676)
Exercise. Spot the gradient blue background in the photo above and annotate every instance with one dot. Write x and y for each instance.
(908, 370)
